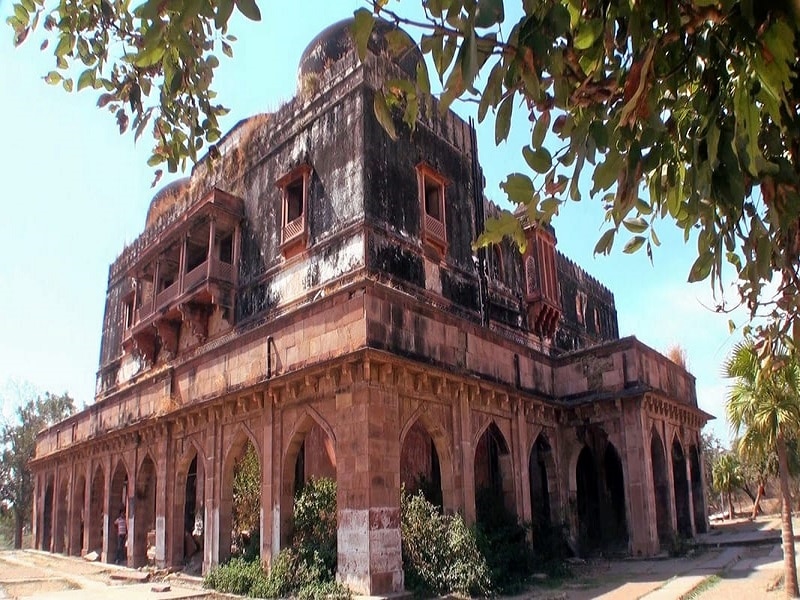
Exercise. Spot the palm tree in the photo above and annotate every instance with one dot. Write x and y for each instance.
(763, 406)
(727, 472)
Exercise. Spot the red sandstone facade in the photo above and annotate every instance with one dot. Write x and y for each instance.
(315, 295)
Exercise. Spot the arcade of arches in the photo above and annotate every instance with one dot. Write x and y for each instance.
(176, 481)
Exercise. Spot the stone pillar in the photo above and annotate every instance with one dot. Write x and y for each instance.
(520, 428)
(37, 511)
(87, 507)
(267, 467)
(368, 497)
(642, 530)
(213, 450)
(467, 456)
(107, 508)
(165, 485)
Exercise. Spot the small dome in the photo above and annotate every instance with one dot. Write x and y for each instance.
(336, 41)
(165, 198)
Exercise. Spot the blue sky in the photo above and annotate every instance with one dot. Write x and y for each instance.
(75, 192)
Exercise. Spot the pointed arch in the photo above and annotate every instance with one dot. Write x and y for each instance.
(189, 503)
(61, 527)
(442, 445)
(615, 502)
(236, 450)
(144, 509)
(698, 498)
(658, 463)
(77, 519)
(543, 483)
(493, 472)
(310, 425)
(118, 505)
(96, 518)
(681, 485)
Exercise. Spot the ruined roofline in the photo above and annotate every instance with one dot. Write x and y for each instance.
(579, 273)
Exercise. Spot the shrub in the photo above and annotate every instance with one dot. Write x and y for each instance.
(307, 569)
(440, 554)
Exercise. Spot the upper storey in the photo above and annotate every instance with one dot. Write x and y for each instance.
(314, 197)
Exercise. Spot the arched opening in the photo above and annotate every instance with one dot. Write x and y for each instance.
(419, 464)
(660, 487)
(47, 514)
(144, 514)
(240, 501)
(588, 500)
(189, 529)
(94, 542)
(494, 478)
(541, 476)
(698, 500)
(76, 517)
(60, 538)
(311, 454)
(682, 510)
(614, 519)
(117, 507)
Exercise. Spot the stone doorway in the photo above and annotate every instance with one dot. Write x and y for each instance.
(494, 477)
(698, 500)
(77, 524)
(144, 513)
(240, 499)
(660, 487)
(682, 508)
(96, 511)
(541, 474)
(60, 539)
(189, 528)
(311, 454)
(419, 464)
(47, 514)
(117, 504)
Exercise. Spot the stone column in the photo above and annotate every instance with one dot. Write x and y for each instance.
(368, 497)
(522, 476)
(642, 530)
(165, 485)
(467, 456)
(213, 470)
(267, 467)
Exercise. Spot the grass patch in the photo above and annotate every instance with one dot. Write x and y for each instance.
(704, 586)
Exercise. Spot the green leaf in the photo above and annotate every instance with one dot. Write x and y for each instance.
(637, 225)
(488, 13)
(468, 57)
(224, 11)
(605, 242)
(701, 267)
(53, 77)
(634, 244)
(588, 33)
(65, 42)
(518, 188)
(86, 79)
(249, 9)
(539, 160)
(363, 22)
(502, 121)
(540, 129)
(227, 50)
(149, 55)
(383, 114)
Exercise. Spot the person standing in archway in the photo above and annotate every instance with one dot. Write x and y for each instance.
(122, 536)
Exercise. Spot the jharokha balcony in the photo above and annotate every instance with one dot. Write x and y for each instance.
(181, 274)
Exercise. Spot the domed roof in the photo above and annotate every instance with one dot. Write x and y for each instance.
(336, 40)
(165, 198)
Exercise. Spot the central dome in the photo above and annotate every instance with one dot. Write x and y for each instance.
(336, 40)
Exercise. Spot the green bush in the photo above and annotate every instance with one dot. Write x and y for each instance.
(307, 569)
(440, 554)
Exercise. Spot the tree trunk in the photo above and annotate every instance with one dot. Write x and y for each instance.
(19, 524)
(757, 501)
(730, 506)
(787, 533)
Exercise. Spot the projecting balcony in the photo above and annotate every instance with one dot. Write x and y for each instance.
(183, 276)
